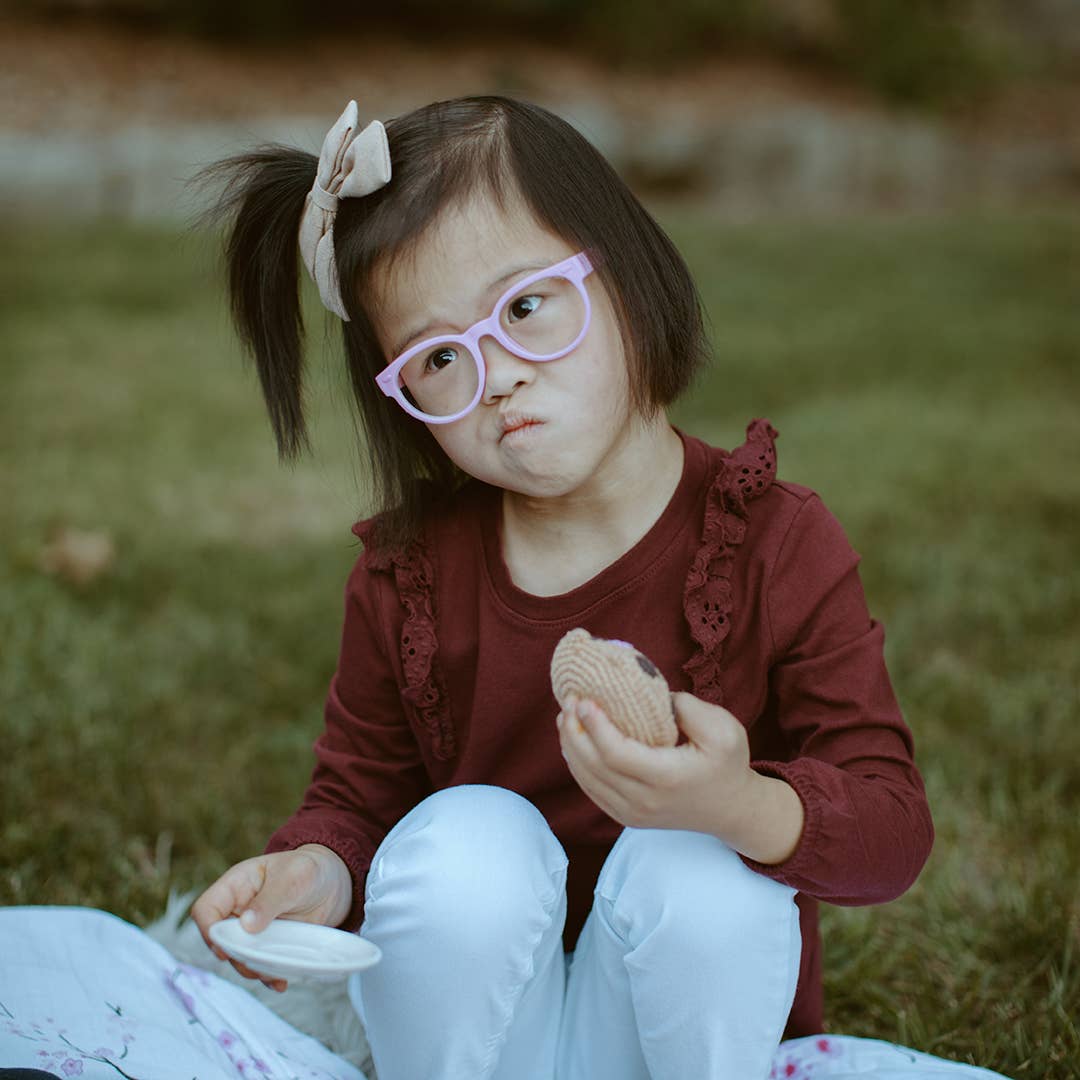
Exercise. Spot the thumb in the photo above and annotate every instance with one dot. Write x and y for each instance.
(271, 899)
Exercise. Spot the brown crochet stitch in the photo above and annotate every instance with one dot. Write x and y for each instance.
(625, 684)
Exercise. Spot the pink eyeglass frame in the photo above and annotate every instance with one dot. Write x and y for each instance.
(575, 269)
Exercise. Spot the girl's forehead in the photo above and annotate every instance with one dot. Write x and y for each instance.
(468, 246)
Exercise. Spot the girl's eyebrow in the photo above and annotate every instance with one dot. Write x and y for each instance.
(413, 335)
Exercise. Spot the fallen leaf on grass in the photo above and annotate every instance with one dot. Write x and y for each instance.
(78, 555)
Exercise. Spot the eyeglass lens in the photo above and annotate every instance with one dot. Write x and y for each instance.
(543, 319)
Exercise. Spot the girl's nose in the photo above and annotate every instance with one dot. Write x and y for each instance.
(505, 371)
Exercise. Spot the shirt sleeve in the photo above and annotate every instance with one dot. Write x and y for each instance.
(868, 829)
(369, 772)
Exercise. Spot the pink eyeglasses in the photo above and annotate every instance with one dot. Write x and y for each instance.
(543, 317)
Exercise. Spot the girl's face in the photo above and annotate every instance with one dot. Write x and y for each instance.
(540, 429)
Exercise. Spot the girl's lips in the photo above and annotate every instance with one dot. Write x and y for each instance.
(515, 427)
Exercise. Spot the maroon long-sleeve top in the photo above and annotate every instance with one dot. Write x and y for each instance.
(744, 592)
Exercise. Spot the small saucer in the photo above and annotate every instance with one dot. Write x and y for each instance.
(291, 949)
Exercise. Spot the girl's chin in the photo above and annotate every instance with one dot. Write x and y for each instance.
(540, 484)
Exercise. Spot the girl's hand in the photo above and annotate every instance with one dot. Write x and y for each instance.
(310, 884)
(702, 785)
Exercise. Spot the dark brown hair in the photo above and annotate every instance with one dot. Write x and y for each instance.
(440, 154)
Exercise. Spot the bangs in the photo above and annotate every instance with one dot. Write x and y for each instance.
(457, 153)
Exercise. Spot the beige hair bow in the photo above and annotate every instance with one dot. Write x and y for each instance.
(350, 165)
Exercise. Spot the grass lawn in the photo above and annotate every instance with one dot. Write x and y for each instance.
(924, 375)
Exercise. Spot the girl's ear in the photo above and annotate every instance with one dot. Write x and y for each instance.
(261, 204)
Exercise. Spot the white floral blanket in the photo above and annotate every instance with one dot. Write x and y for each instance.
(85, 994)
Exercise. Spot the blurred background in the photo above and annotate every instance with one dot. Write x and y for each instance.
(879, 200)
(750, 105)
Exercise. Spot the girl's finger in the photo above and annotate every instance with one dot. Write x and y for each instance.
(267, 980)
(594, 779)
(244, 970)
(578, 745)
(618, 752)
(285, 891)
(229, 895)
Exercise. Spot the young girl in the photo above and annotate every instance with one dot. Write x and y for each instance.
(552, 898)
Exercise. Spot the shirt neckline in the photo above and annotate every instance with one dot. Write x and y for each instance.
(630, 565)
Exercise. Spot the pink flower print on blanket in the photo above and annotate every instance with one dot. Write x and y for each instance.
(252, 1056)
(184, 982)
(66, 1058)
(60, 1064)
(803, 1058)
(845, 1057)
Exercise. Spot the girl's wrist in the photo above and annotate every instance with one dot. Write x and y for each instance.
(769, 822)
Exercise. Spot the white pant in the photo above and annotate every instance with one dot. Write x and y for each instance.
(685, 968)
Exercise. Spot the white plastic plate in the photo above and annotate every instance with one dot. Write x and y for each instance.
(290, 949)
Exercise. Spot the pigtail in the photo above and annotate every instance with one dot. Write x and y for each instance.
(261, 204)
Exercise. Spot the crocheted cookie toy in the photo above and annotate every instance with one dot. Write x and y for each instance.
(625, 684)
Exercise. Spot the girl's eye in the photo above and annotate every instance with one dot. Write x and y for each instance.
(523, 306)
(440, 358)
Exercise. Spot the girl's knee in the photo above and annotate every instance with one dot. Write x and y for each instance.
(472, 849)
(474, 820)
(693, 883)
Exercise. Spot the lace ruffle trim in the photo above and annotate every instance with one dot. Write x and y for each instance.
(744, 474)
(425, 687)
